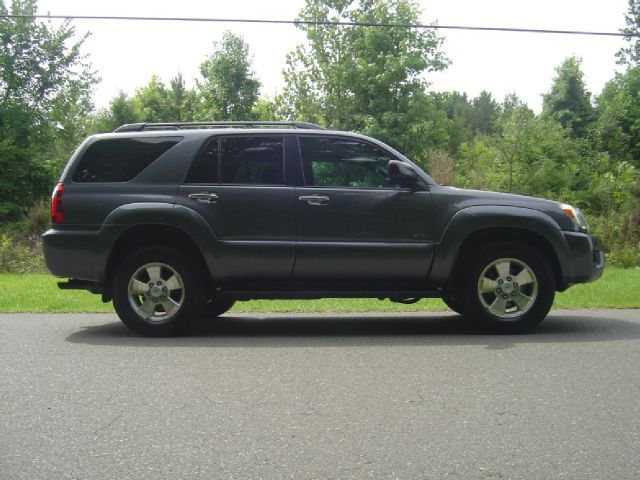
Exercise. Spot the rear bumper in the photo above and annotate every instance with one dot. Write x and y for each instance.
(73, 254)
(584, 261)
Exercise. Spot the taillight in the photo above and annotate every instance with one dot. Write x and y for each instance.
(57, 215)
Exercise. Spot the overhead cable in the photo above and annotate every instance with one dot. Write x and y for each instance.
(324, 23)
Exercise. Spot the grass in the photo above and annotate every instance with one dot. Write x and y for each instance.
(34, 293)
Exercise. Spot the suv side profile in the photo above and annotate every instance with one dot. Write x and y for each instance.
(177, 221)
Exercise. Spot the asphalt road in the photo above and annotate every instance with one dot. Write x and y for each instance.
(303, 397)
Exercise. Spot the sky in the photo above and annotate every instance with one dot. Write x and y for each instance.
(126, 54)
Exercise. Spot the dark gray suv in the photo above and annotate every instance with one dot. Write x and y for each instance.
(178, 221)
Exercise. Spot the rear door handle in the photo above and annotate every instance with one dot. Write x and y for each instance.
(204, 197)
(315, 200)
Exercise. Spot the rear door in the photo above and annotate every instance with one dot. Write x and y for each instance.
(237, 183)
(352, 222)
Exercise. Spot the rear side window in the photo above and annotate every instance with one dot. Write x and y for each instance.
(120, 159)
(205, 166)
(252, 160)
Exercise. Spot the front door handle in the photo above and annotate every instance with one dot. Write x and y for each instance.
(315, 200)
(204, 197)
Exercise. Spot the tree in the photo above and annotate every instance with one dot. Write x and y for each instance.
(181, 102)
(458, 111)
(541, 158)
(361, 78)
(630, 55)
(166, 103)
(568, 102)
(229, 88)
(528, 155)
(484, 113)
(45, 85)
(121, 110)
(618, 125)
(265, 110)
(153, 101)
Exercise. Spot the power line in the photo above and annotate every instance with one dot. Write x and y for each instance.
(325, 23)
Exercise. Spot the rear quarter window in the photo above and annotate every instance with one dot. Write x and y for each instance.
(120, 159)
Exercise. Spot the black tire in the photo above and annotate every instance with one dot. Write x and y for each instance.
(488, 291)
(452, 303)
(178, 284)
(216, 307)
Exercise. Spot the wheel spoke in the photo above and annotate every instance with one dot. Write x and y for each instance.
(521, 300)
(139, 288)
(524, 277)
(170, 305)
(499, 306)
(504, 268)
(487, 285)
(147, 308)
(154, 273)
(173, 283)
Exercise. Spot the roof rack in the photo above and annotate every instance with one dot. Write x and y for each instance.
(140, 127)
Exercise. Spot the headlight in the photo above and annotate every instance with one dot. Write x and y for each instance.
(576, 216)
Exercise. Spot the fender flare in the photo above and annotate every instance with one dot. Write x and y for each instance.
(180, 217)
(474, 219)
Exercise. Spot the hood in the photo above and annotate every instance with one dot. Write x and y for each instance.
(452, 200)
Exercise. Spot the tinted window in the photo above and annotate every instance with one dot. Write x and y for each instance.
(343, 162)
(205, 166)
(255, 160)
(120, 159)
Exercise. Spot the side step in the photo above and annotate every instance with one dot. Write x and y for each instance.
(396, 296)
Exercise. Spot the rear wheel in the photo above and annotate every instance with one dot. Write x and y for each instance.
(506, 288)
(158, 292)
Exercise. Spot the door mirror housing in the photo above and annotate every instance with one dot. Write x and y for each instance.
(404, 175)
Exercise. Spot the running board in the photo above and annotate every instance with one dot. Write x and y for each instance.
(315, 294)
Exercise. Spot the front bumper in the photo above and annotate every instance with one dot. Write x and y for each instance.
(584, 259)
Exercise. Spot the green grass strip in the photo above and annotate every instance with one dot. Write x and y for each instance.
(38, 293)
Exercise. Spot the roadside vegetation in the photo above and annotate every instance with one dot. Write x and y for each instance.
(582, 149)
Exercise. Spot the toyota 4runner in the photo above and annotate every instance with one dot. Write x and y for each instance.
(178, 221)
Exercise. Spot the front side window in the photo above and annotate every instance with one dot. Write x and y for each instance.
(344, 162)
(255, 160)
(120, 159)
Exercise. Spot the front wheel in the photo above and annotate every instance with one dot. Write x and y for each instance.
(158, 292)
(507, 288)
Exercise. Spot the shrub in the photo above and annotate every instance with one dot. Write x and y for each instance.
(625, 256)
(20, 254)
(37, 218)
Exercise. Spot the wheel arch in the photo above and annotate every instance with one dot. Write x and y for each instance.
(506, 234)
(476, 226)
(148, 235)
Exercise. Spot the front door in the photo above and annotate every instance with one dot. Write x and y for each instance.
(237, 183)
(352, 222)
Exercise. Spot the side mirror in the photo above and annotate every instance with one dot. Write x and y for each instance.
(403, 174)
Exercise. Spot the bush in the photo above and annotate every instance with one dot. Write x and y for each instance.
(625, 256)
(37, 218)
(20, 254)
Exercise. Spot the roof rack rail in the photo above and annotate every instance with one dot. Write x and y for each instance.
(140, 127)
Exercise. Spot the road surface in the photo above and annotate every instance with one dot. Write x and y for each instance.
(407, 396)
